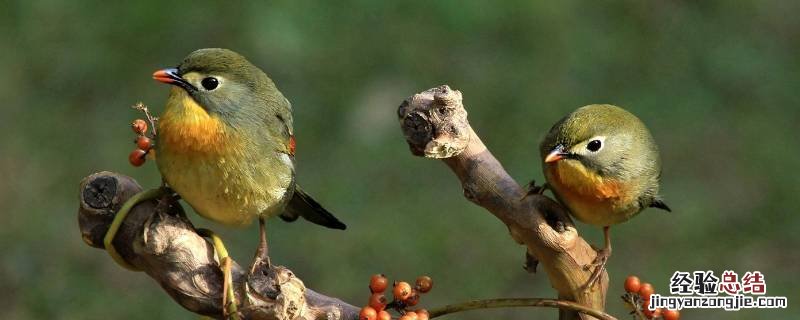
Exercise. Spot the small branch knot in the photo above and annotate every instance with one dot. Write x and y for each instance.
(435, 123)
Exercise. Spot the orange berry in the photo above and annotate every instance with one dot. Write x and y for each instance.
(367, 313)
(144, 143)
(422, 314)
(632, 284)
(402, 290)
(377, 301)
(378, 283)
(139, 126)
(137, 157)
(645, 290)
(424, 284)
(413, 299)
(410, 315)
(671, 314)
(383, 315)
(406, 317)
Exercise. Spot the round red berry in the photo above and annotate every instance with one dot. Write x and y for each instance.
(144, 143)
(413, 299)
(137, 157)
(377, 301)
(378, 283)
(383, 315)
(422, 314)
(139, 126)
(402, 290)
(632, 284)
(367, 313)
(424, 284)
(645, 290)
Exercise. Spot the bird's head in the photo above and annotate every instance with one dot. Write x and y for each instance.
(605, 139)
(223, 83)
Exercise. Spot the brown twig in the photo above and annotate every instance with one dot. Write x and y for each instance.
(435, 125)
(518, 302)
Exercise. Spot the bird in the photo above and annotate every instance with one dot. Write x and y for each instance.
(603, 165)
(225, 144)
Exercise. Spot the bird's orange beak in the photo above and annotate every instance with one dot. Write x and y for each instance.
(170, 76)
(555, 155)
(166, 75)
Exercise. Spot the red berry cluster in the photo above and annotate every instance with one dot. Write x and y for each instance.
(638, 296)
(404, 296)
(143, 143)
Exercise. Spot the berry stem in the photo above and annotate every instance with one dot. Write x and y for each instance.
(150, 118)
(634, 303)
(518, 302)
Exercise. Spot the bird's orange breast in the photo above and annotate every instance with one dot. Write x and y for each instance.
(590, 197)
(186, 128)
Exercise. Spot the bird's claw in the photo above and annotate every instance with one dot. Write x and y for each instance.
(599, 265)
(532, 188)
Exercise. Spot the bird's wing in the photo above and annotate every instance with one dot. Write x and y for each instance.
(278, 126)
(286, 143)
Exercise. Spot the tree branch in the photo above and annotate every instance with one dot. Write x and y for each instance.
(157, 238)
(435, 126)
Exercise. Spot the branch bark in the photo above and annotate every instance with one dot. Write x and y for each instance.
(435, 125)
(157, 238)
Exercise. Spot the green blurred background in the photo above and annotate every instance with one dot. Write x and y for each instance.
(716, 82)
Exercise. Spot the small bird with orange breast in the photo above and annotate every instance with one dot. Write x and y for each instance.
(226, 145)
(603, 165)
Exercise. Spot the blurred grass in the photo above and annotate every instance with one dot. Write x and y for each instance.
(715, 81)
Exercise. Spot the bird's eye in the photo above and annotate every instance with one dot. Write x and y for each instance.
(209, 83)
(594, 145)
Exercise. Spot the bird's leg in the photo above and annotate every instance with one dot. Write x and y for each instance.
(532, 188)
(262, 252)
(229, 308)
(600, 261)
(120, 217)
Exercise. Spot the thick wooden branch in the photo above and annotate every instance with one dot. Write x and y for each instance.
(435, 126)
(157, 238)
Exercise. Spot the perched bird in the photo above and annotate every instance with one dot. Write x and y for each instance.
(225, 144)
(601, 162)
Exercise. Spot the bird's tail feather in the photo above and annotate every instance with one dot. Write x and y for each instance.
(658, 203)
(302, 205)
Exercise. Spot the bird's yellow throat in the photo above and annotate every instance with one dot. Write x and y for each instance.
(188, 129)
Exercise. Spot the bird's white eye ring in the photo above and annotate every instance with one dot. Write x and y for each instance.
(594, 145)
(209, 83)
